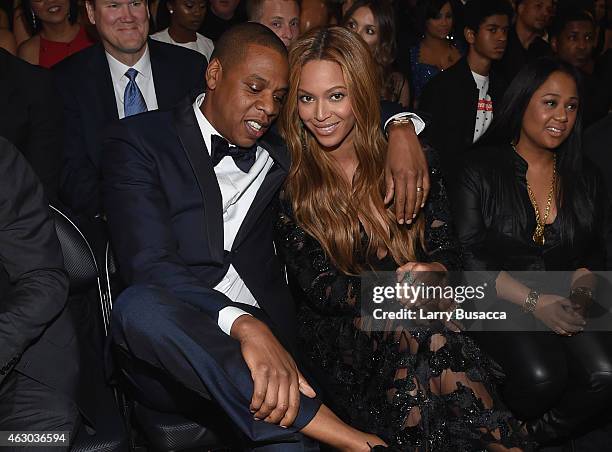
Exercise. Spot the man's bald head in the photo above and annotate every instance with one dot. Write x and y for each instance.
(233, 45)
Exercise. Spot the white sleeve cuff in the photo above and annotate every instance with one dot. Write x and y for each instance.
(227, 317)
(419, 124)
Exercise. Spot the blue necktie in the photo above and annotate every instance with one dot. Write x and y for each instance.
(133, 101)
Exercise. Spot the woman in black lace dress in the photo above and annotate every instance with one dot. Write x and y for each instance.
(426, 389)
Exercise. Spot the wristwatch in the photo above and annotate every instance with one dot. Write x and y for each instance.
(531, 301)
(402, 120)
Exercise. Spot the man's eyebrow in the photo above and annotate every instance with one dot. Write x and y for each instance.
(257, 77)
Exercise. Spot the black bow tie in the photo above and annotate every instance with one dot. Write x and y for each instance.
(244, 158)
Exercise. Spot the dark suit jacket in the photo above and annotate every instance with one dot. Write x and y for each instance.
(163, 206)
(34, 327)
(450, 99)
(85, 84)
(516, 56)
(31, 118)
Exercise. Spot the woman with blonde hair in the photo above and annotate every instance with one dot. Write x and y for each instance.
(420, 389)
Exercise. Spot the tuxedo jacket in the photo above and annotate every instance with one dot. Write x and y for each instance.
(164, 211)
(31, 118)
(37, 336)
(85, 85)
(450, 100)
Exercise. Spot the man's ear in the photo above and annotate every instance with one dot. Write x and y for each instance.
(214, 73)
(470, 35)
(90, 11)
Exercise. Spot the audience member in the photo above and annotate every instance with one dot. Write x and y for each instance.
(221, 16)
(527, 202)
(461, 100)
(573, 41)
(525, 41)
(54, 30)
(193, 229)
(38, 358)
(333, 225)
(182, 19)
(436, 51)
(123, 75)
(31, 118)
(280, 16)
(7, 41)
(374, 21)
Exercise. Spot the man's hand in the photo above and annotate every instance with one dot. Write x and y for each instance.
(277, 382)
(406, 172)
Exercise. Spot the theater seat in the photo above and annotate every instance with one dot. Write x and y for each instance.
(85, 278)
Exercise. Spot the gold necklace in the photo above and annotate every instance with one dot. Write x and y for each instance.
(538, 234)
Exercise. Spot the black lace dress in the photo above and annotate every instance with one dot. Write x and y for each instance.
(425, 389)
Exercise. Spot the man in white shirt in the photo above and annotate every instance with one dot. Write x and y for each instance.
(94, 84)
(191, 197)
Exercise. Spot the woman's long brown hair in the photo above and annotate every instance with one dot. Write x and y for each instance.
(325, 205)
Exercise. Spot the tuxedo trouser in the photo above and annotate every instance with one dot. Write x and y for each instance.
(562, 382)
(186, 346)
(28, 405)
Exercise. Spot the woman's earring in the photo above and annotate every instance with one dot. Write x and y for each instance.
(33, 20)
(171, 11)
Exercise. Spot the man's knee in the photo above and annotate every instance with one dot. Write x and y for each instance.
(139, 310)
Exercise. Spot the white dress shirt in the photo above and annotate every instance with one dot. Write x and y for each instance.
(202, 44)
(144, 80)
(238, 191)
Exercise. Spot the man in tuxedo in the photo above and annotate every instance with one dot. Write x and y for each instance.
(38, 358)
(191, 198)
(123, 75)
(31, 118)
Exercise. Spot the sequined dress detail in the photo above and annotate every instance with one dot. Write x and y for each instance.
(413, 388)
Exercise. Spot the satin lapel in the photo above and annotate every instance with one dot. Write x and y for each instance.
(199, 159)
(273, 181)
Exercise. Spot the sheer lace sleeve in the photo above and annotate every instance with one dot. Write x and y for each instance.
(326, 289)
(440, 240)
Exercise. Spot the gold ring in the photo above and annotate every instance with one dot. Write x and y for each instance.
(419, 189)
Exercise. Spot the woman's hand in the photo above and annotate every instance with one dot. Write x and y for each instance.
(558, 314)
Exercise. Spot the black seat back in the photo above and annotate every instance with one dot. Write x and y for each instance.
(78, 256)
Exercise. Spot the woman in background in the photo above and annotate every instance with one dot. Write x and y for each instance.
(54, 30)
(374, 21)
(526, 205)
(184, 18)
(436, 51)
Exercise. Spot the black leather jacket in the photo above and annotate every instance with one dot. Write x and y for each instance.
(495, 220)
